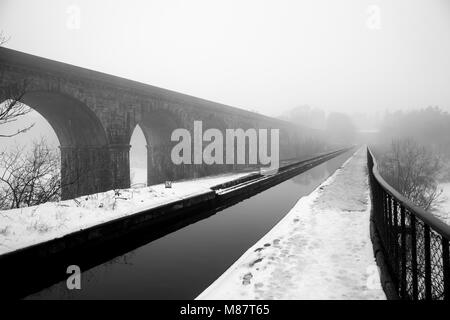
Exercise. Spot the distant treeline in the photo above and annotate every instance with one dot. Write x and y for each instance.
(336, 129)
(429, 127)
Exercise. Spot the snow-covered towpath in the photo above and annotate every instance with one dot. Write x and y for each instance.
(320, 250)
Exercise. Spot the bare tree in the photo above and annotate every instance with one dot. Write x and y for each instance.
(412, 170)
(3, 38)
(29, 177)
(11, 109)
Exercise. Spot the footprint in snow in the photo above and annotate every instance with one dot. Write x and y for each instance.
(246, 279)
(255, 262)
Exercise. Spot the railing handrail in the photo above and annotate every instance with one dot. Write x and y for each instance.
(435, 223)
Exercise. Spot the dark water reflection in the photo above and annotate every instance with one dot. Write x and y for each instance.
(180, 265)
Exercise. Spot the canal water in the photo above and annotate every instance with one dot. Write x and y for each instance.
(181, 264)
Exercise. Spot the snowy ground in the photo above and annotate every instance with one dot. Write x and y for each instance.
(26, 226)
(320, 250)
(138, 176)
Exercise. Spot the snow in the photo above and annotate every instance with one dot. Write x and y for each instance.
(23, 227)
(138, 176)
(320, 250)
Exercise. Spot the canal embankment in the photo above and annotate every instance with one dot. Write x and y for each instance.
(182, 200)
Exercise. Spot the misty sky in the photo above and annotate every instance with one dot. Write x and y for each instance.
(268, 56)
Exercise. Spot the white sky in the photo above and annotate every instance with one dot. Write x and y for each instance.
(268, 56)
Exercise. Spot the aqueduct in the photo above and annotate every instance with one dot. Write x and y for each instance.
(94, 114)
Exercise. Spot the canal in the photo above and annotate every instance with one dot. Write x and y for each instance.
(181, 264)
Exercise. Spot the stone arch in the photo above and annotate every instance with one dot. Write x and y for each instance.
(138, 158)
(157, 126)
(74, 123)
(83, 142)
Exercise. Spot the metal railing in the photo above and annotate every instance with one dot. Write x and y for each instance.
(415, 242)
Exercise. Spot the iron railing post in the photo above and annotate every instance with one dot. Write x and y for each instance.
(395, 241)
(389, 227)
(385, 221)
(403, 252)
(446, 267)
(427, 247)
(414, 258)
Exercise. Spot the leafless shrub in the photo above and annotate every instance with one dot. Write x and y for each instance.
(412, 170)
(11, 109)
(3, 38)
(428, 126)
(30, 177)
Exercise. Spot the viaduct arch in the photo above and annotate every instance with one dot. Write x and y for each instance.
(94, 115)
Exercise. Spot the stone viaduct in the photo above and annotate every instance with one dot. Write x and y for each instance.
(94, 114)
